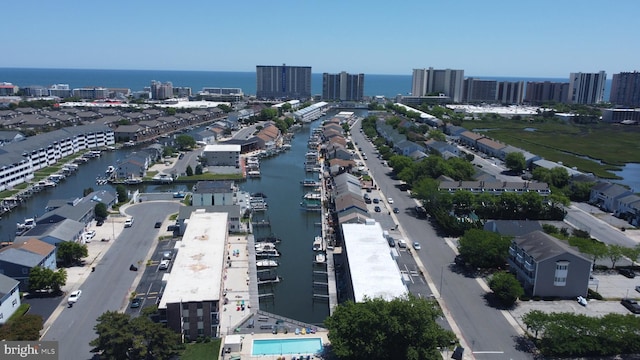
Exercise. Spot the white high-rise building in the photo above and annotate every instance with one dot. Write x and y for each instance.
(586, 88)
(431, 81)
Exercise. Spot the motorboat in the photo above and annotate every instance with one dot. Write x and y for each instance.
(266, 263)
(321, 258)
(28, 224)
(318, 244)
(110, 170)
(313, 196)
(310, 183)
(267, 253)
(263, 246)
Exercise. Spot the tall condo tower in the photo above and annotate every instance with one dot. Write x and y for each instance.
(430, 81)
(343, 86)
(586, 88)
(283, 82)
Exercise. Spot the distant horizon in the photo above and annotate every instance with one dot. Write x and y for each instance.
(253, 72)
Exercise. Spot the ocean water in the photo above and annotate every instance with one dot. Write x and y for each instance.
(136, 80)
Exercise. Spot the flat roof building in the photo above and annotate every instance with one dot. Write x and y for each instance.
(371, 269)
(430, 81)
(190, 303)
(587, 88)
(342, 86)
(222, 154)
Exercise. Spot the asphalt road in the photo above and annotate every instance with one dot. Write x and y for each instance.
(108, 288)
(597, 228)
(486, 331)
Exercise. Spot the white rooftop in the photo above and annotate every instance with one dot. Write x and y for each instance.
(502, 110)
(374, 272)
(196, 274)
(222, 147)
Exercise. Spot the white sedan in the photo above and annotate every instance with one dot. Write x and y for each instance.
(390, 200)
(74, 296)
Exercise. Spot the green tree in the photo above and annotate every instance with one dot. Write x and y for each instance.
(515, 162)
(120, 337)
(437, 135)
(87, 191)
(170, 111)
(44, 279)
(185, 142)
(268, 114)
(168, 151)
(198, 169)
(534, 321)
(225, 108)
(189, 170)
(615, 252)
(100, 211)
(484, 249)
(70, 252)
(403, 328)
(506, 288)
(122, 193)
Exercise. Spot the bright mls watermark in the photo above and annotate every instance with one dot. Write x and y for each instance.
(39, 350)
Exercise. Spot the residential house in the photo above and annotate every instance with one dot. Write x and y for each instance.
(489, 147)
(9, 297)
(211, 193)
(547, 267)
(628, 208)
(17, 259)
(206, 137)
(605, 195)
(529, 158)
(129, 132)
(443, 148)
(469, 138)
(53, 230)
(134, 166)
(10, 136)
(406, 147)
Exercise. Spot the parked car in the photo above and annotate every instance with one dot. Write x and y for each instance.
(128, 222)
(402, 244)
(136, 302)
(582, 301)
(391, 242)
(164, 265)
(99, 222)
(376, 201)
(377, 209)
(628, 273)
(631, 304)
(167, 255)
(89, 235)
(638, 288)
(74, 296)
(158, 224)
(396, 210)
(416, 245)
(390, 200)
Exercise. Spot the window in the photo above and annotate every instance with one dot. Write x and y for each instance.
(562, 270)
(14, 302)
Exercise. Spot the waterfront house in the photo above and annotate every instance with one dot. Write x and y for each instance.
(338, 151)
(9, 297)
(207, 137)
(54, 230)
(125, 133)
(548, 267)
(17, 259)
(234, 212)
(605, 195)
(222, 155)
(628, 208)
(212, 193)
(529, 158)
(133, 167)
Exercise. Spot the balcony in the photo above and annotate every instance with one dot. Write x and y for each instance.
(519, 258)
(529, 266)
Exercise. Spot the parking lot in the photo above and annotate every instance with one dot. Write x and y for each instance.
(611, 286)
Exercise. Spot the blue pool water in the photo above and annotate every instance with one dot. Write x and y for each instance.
(302, 346)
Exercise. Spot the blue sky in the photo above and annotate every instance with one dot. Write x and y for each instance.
(539, 38)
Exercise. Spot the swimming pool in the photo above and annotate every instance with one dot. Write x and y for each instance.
(302, 346)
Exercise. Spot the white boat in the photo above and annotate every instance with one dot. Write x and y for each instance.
(46, 184)
(313, 196)
(318, 244)
(133, 181)
(268, 253)
(263, 246)
(321, 258)
(266, 263)
(29, 223)
(110, 170)
(310, 183)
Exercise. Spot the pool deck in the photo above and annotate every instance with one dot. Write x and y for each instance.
(247, 346)
(240, 284)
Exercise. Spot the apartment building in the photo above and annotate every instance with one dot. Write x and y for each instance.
(586, 88)
(283, 82)
(625, 89)
(342, 86)
(438, 81)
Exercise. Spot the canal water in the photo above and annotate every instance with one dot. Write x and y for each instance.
(280, 181)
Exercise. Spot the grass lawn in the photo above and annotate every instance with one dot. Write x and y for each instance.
(202, 351)
(609, 145)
